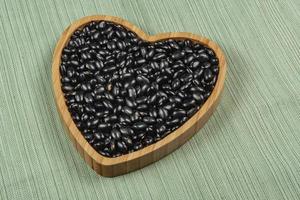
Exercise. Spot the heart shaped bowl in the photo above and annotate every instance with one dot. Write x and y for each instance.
(110, 167)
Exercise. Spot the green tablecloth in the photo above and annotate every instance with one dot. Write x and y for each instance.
(249, 149)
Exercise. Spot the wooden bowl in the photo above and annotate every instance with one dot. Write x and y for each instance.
(110, 167)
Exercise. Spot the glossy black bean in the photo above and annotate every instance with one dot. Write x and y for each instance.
(141, 100)
(104, 126)
(99, 136)
(175, 99)
(153, 113)
(130, 103)
(115, 134)
(163, 113)
(132, 92)
(150, 54)
(108, 104)
(142, 107)
(126, 131)
(148, 140)
(142, 79)
(137, 146)
(109, 69)
(135, 116)
(125, 118)
(178, 55)
(215, 69)
(195, 64)
(110, 118)
(208, 75)
(161, 129)
(185, 86)
(144, 88)
(149, 120)
(139, 126)
(187, 103)
(203, 57)
(191, 111)
(197, 95)
(67, 87)
(88, 98)
(127, 110)
(108, 96)
(189, 59)
(179, 113)
(172, 122)
(152, 99)
(159, 56)
(116, 90)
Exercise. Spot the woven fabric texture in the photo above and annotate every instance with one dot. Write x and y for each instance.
(249, 149)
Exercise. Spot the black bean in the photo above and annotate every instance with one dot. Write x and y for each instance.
(130, 103)
(203, 57)
(161, 129)
(179, 113)
(67, 87)
(142, 79)
(104, 126)
(195, 64)
(215, 69)
(163, 113)
(148, 140)
(125, 118)
(126, 131)
(137, 146)
(214, 61)
(172, 122)
(150, 54)
(159, 56)
(142, 107)
(74, 62)
(111, 118)
(135, 117)
(189, 59)
(191, 111)
(79, 96)
(132, 92)
(153, 113)
(197, 95)
(175, 99)
(108, 105)
(99, 136)
(70, 72)
(141, 100)
(149, 120)
(127, 110)
(144, 88)
(88, 98)
(109, 68)
(208, 75)
(188, 103)
(115, 134)
(178, 55)
(139, 126)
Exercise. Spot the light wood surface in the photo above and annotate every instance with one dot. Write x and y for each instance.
(110, 167)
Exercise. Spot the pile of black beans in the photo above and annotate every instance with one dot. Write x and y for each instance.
(124, 93)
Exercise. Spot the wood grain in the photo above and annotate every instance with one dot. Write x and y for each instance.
(126, 163)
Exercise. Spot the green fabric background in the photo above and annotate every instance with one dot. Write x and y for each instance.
(249, 149)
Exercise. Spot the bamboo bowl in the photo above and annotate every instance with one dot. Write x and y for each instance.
(110, 167)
